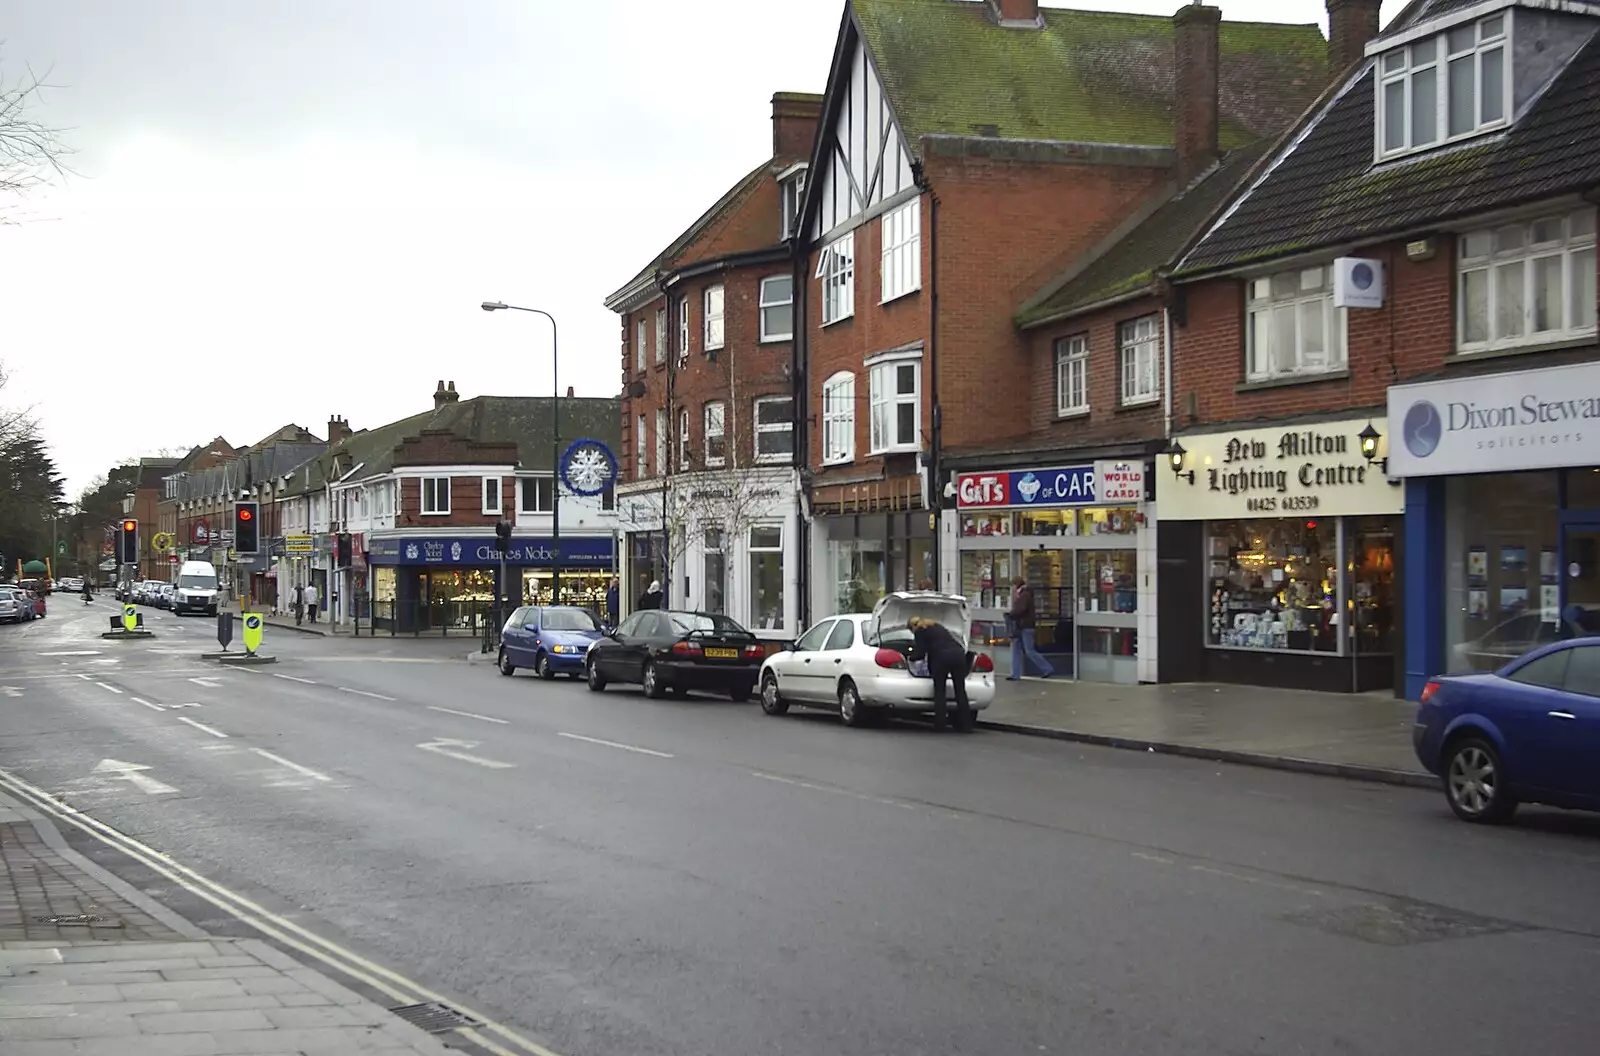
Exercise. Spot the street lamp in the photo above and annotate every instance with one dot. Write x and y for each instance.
(555, 443)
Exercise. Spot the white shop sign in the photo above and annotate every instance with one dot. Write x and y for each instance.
(1312, 471)
(1495, 423)
(1119, 482)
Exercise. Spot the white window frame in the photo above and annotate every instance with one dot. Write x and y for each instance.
(429, 488)
(1139, 383)
(792, 192)
(641, 448)
(492, 499)
(715, 417)
(785, 426)
(883, 380)
(683, 328)
(1478, 255)
(1269, 298)
(534, 499)
(768, 302)
(839, 418)
(752, 552)
(683, 439)
(836, 267)
(662, 449)
(641, 353)
(1072, 375)
(711, 323)
(661, 335)
(1399, 69)
(900, 262)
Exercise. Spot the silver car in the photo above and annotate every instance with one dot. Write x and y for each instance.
(856, 664)
(13, 608)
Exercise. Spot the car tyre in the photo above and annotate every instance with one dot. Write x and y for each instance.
(652, 681)
(542, 666)
(593, 677)
(681, 692)
(740, 694)
(850, 709)
(772, 701)
(503, 662)
(1475, 783)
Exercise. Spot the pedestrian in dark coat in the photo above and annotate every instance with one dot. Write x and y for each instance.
(651, 599)
(947, 659)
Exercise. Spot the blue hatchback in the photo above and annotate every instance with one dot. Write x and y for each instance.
(551, 639)
(1529, 732)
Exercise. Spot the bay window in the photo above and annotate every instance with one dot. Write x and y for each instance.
(1294, 329)
(839, 418)
(836, 267)
(1139, 359)
(895, 396)
(1527, 282)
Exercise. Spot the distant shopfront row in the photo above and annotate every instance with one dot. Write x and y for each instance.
(1279, 551)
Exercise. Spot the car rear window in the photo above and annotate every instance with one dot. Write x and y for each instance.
(706, 623)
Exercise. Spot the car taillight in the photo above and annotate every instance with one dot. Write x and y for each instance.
(889, 658)
(687, 648)
(982, 664)
(1428, 691)
(755, 652)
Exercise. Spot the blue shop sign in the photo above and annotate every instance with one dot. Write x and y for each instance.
(588, 551)
(1066, 486)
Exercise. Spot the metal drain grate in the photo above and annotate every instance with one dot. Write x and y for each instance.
(434, 1017)
(80, 920)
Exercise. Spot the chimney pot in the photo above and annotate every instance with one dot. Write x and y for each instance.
(569, 392)
(794, 123)
(1194, 86)
(1352, 24)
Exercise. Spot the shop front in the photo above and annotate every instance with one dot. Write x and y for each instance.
(430, 582)
(1503, 512)
(1074, 534)
(868, 539)
(1279, 550)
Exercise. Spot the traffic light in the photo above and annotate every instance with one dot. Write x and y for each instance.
(344, 556)
(128, 542)
(246, 528)
(502, 535)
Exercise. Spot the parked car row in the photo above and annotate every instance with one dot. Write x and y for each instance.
(19, 605)
(854, 665)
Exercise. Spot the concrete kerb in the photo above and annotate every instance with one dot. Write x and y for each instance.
(1320, 768)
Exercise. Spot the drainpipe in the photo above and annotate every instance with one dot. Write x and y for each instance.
(666, 469)
(935, 476)
(1166, 368)
(801, 393)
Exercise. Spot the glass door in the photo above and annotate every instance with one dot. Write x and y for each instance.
(1579, 578)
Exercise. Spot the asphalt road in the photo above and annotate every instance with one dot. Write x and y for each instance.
(616, 875)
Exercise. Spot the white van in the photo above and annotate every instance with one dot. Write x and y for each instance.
(196, 589)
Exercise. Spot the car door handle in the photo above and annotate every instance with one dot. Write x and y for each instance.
(839, 660)
(808, 660)
(1562, 715)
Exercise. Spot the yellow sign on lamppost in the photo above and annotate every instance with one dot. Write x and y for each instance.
(161, 542)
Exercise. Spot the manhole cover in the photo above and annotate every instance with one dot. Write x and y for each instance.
(434, 1017)
(80, 920)
(1405, 924)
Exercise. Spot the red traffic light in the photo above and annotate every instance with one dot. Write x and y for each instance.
(129, 526)
(245, 514)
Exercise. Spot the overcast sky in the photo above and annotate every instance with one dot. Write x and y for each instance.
(289, 209)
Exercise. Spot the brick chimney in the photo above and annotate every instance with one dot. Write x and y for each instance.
(1016, 14)
(794, 123)
(1194, 87)
(338, 429)
(1351, 25)
(443, 395)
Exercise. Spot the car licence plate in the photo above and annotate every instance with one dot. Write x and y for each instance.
(723, 654)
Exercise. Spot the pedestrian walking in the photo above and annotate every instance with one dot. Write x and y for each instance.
(947, 659)
(298, 602)
(613, 599)
(311, 601)
(1023, 619)
(651, 598)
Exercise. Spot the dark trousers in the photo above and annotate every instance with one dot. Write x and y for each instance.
(954, 668)
(312, 611)
(299, 611)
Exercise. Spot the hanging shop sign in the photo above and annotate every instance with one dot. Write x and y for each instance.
(1307, 470)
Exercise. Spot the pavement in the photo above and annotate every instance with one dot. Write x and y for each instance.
(598, 873)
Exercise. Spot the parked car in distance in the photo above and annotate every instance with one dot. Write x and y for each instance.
(1519, 634)
(550, 639)
(13, 606)
(679, 651)
(70, 585)
(1527, 733)
(196, 589)
(856, 664)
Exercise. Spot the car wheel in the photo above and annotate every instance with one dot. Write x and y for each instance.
(652, 681)
(850, 709)
(1475, 782)
(772, 701)
(542, 666)
(505, 664)
(592, 674)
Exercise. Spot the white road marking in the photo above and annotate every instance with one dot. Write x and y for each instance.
(73, 652)
(615, 744)
(1152, 858)
(449, 746)
(209, 683)
(281, 761)
(191, 704)
(364, 693)
(294, 678)
(469, 715)
(113, 689)
(133, 774)
(11, 691)
(146, 703)
(202, 726)
(87, 678)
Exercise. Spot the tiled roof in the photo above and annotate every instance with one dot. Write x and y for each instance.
(1086, 77)
(1136, 260)
(1326, 191)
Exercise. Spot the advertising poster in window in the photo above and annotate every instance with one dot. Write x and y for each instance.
(1477, 564)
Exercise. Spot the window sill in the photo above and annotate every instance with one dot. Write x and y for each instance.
(902, 295)
(717, 464)
(493, 513)
(712, 348)
(773, 460)
(776, 339)
(435, 513)
(842, 460)
(841, 319)
(1139, 404)
(1555, 345)
(899, 449)
(1267, 384)
(1067, 416)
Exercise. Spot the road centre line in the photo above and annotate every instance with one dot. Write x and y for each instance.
(281, 761)
(469, 715)
(87, 678)
(294, 678)
(364, 693)
(146, 703)
(616, 744)
(202, 726)
(112, 688)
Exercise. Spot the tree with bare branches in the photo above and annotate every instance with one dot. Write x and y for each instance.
(32, 153)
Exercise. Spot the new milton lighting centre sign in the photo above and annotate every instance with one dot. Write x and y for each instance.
(1495, 423)
(1314, 470)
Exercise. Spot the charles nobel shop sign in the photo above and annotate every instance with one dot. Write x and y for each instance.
(1304, 471)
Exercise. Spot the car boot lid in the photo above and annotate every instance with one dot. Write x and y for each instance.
(894, 611)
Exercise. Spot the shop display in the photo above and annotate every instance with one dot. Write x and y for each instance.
(1273, 585)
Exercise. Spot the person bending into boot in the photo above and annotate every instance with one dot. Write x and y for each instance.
(946, 658)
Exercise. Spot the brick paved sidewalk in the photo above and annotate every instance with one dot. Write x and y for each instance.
(91, 967)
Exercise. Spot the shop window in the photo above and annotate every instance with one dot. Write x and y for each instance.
(1048, 522)
(1294, 329)
(1583, 489)
(986, 578)
(435, 495)
(1527, 283)
(860, 570)
(1369, 543)
(716, 572)
(1108, 581)
(1502, 580)
(973, 524)
(1273, 584)
(766, 578)
(1108, 520)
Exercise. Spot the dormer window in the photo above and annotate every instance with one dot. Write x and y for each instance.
(791, 189)
(1444, 88)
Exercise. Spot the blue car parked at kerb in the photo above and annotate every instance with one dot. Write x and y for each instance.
(550, 639)
(1527, 733)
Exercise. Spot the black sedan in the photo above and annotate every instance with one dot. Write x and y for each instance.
(668, 650)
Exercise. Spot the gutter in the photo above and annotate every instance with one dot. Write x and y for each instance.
(1148, 289)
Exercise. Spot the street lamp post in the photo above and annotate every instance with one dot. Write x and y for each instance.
(555, 444)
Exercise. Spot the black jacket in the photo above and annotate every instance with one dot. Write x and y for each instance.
(935, 642)
(650, 599)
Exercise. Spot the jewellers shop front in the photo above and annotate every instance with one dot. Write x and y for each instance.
(1279, 551)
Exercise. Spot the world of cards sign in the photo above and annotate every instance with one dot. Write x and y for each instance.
(297, 544)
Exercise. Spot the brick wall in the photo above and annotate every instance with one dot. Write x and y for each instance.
(1107, 421)
(466, 502)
